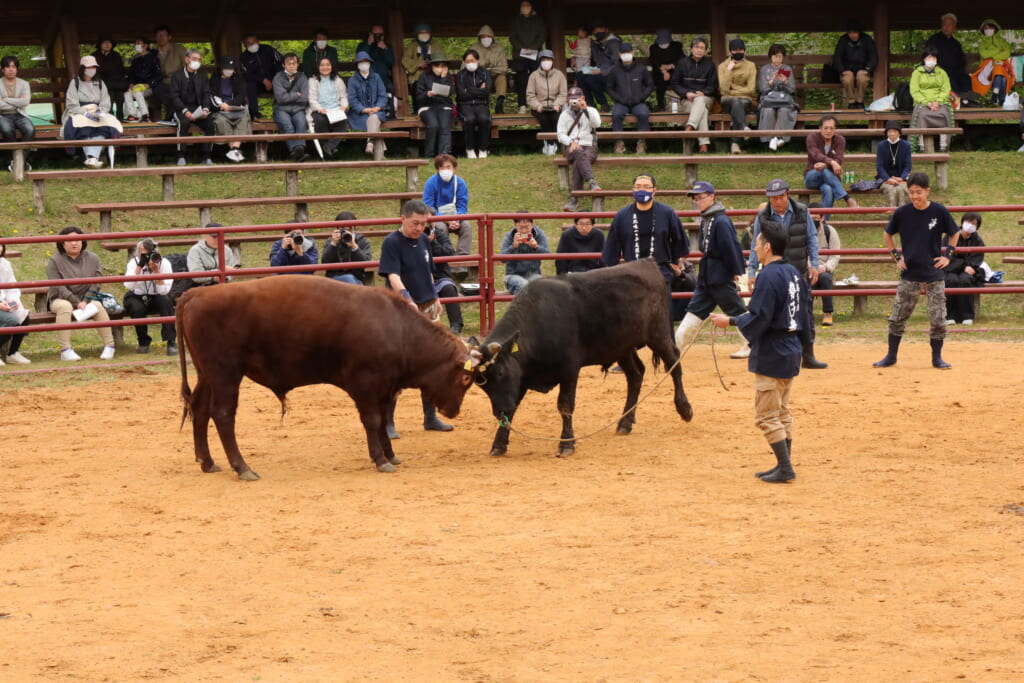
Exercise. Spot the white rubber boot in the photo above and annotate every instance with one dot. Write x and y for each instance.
(687, 331)
(743, 351)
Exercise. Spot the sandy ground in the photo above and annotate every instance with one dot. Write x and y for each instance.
(897, 553)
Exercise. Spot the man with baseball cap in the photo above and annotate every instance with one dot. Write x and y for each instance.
(801, 253)
(721, 265)
(577, 131)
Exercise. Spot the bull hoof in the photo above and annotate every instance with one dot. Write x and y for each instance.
(498, 451)
(566, 452)
(248, 475)
(395, 461)
(686, 412)
(209, 469)
(624, 430)
(387, 467)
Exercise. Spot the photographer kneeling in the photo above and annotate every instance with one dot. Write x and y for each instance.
(345, 245)
(294, 249)
(146, 297)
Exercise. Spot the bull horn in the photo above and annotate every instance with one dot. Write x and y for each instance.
(475, 353)
(493, 348)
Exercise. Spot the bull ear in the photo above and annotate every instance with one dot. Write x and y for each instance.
(511, 344)
(473, 342)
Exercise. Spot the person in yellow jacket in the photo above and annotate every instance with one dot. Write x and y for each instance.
(737, 82)
(930, 88)
(995, 72)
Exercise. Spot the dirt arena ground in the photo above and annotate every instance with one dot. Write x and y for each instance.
(898, 553)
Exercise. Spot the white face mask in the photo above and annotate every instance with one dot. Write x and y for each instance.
(930, 63)
(486, 41)
(321, 44)
(472, 66)
(194, 65)
(546, 64)
(364, 67)
(663, 46)
(90, 73)
(969, 227)
(626, 58)
(228, 73)
(254, 48)
(989, 32)
(423, 37)
(446, 174)
(138, 49)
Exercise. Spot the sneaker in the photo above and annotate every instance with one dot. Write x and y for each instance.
(10, 167)
(18, 359)
(482, 154)
(734, 148)
(743, 352)
(703, 149)
(620, 147)
(826, 319)
(851, 202)
(69, 355)
(572, 204)
(969, 321)
(207, 161)
(2, 363)
(471, 154)
(181, 161)
(172, 349)
(773, 144)
(950, 321)
(143, 348)
(108, 353)
(1021, 148)
(93, 162)
(592, 184)
(131, 119)
(146, 119)
(522, 109)
(369, 147)
(235, 155)
(641, 147)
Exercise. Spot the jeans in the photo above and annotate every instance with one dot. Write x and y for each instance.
(594, 88)
(515, 283)
(999, 90)
(439, 131)
(291, 123)
(10, 124)
(641, 112)
(831, 187)
(347, 278)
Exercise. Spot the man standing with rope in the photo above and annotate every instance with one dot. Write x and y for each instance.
(772, 325)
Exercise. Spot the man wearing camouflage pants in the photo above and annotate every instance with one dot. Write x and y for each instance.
(920, 225)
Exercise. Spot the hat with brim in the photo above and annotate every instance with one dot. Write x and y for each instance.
(776, 188)
(363, 57)
(89, 61)
(893, 124)
(701, 187)
(437, 56)
(83, 121)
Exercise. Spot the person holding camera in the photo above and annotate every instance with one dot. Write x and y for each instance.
(524, 238)
(145, 297)
(577, 131)
(294, 249)
(345, 245)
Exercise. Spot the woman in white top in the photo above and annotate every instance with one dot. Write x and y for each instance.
(328, 102)
(12, 313)
(87, 111)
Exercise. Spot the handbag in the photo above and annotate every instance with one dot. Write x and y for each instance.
(450, 209)
(774, 99)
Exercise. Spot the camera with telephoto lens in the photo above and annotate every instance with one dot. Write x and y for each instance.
(347, 237)
(296, 238)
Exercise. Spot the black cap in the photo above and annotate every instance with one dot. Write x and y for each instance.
(227, 62)
(737, 44)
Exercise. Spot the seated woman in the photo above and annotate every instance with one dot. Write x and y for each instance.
(328, 102)
(367, 98)
(474, 85)
(776, 110)
(547, 93)
(12, 313)
(893, 164)
(964, 270)
(929, 86)
(74, 261)
(433, 94)
(996, 70)
(87, 112)
(230, 107)
(448, 195)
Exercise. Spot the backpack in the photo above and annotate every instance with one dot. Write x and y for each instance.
(179, 264)
(903, 99)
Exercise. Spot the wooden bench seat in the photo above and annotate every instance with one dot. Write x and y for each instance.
(169, 173)
(691, 163)
(206, 206)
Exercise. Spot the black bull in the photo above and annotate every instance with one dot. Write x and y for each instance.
(555, 326)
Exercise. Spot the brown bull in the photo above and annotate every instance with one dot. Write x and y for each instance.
(295, 330)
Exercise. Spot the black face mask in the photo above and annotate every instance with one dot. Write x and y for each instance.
(377, 37)
(601, 35)
(738, 56)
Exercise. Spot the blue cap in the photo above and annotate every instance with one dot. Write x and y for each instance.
(362, 57)
(776, 188)
(625, 47)
(702, 187)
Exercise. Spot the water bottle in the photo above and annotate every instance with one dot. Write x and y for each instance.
(675, 106)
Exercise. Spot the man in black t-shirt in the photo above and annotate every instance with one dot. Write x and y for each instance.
(920, 225)
(407, 264)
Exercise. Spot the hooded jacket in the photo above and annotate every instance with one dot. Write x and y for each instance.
(995, 48)
(929, 86)
(546, 89)
(722, 258)
(492, 58)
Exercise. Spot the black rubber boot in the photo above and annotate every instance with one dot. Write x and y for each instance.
(430, 421)
(810, 362)
(789, 449)
(937, 361)
(890, 358)
(784, 471)
(499, 105)
(392, 434)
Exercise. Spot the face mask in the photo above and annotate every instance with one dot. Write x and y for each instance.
(90, 73)
(377, 37)
(546, 64)
(446, 174)
(254, 48)
(487, 41)
(626, 58)
(364, 67)
(423, 37)
(969, 228)
(601, 35)
(663, 46)
(989, 32)
(643, 196)
(138, 49)
(738, 56)
(472, 66)
(930, 63)
(321, 44)
(194, 65)
(228, 73)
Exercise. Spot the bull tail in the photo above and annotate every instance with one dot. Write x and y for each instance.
(186, 391)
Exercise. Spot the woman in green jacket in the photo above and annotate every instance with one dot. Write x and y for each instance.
(930, 88)
(995, 71)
